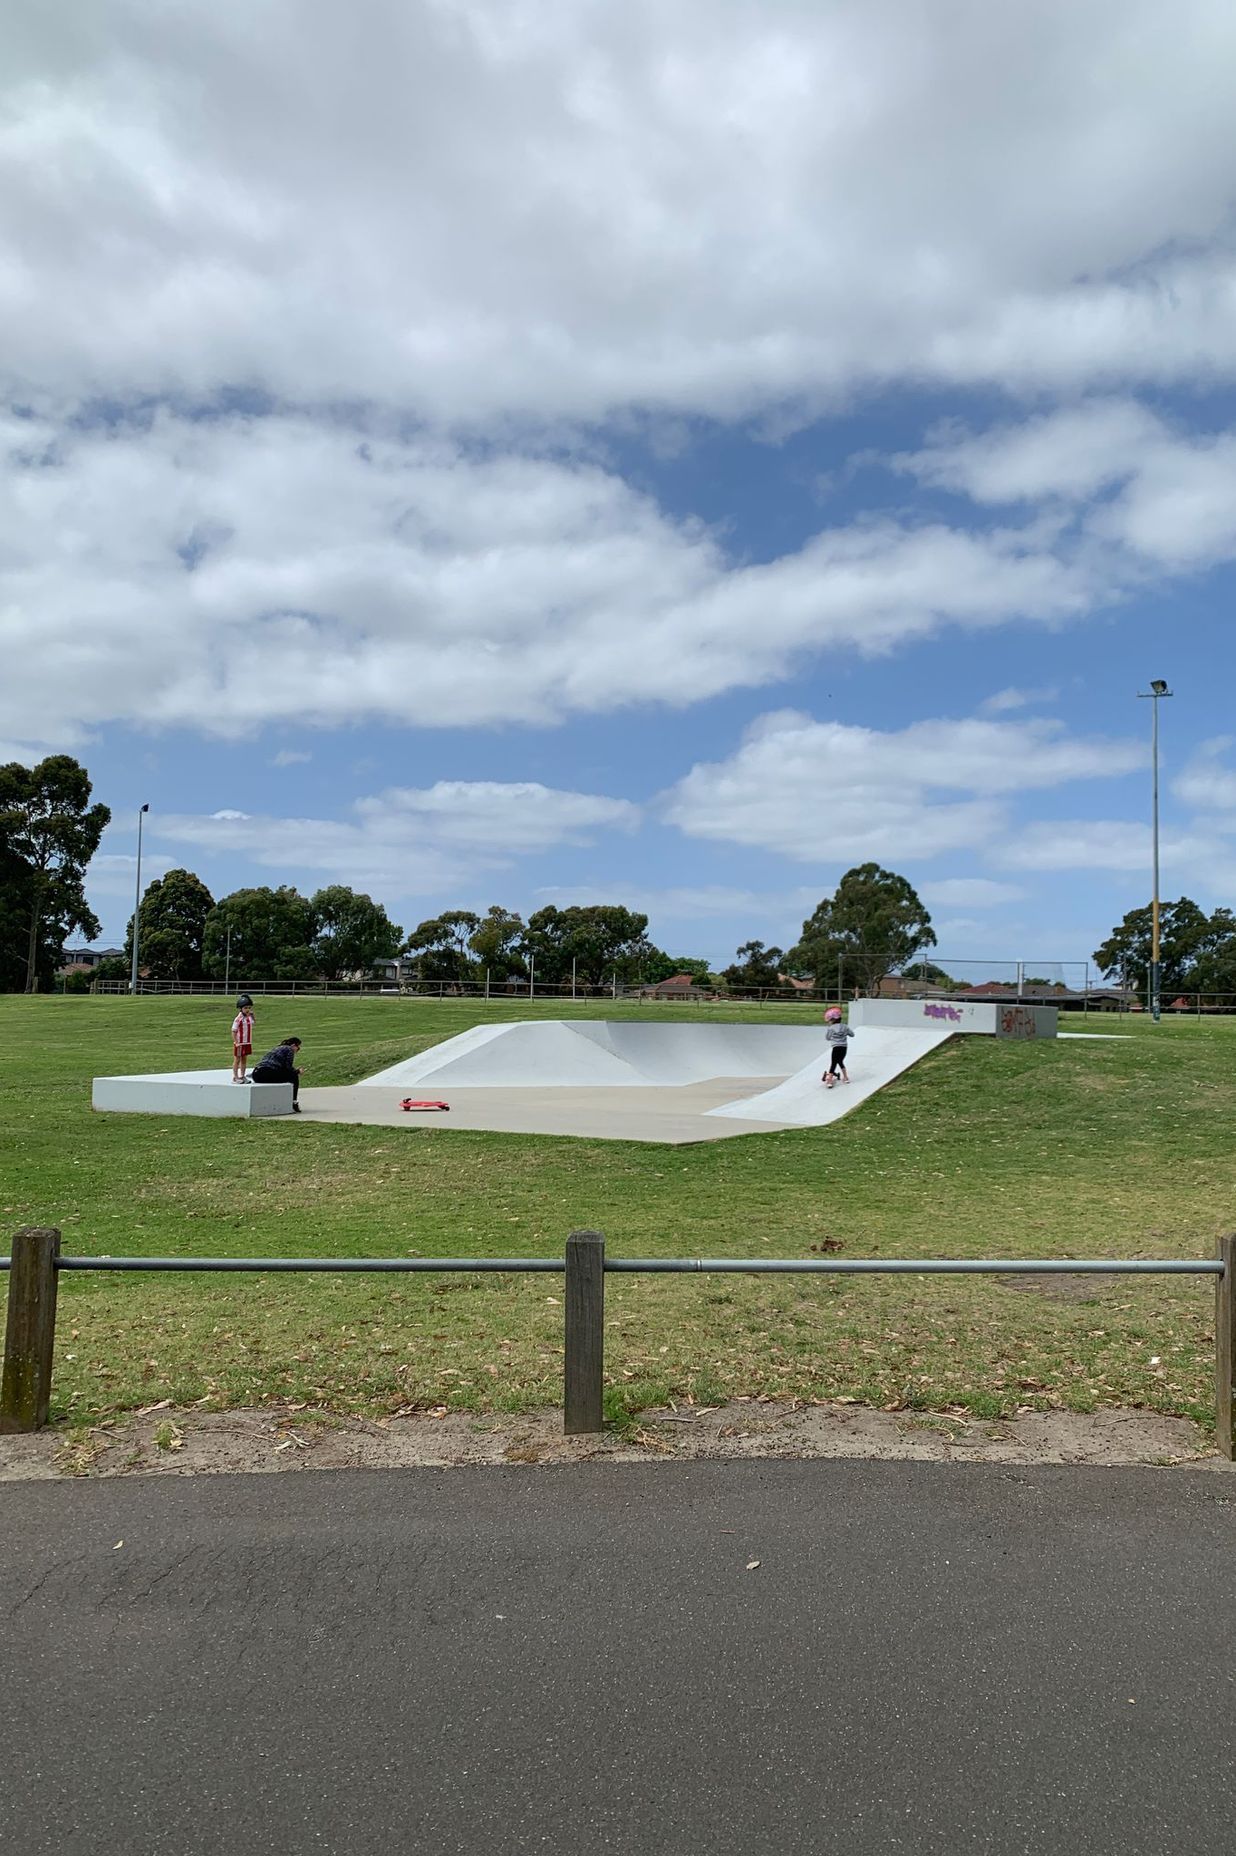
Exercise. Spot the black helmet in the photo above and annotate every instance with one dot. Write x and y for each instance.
(243, 1001)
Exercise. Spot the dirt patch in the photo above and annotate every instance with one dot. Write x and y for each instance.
(275, 1439)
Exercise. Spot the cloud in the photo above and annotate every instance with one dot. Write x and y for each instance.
(1206, 783)
(822, 791)
(290, 757)
(406, 841)
(1004, 701)
(968, 892)
(1109, 844)
(285, 569)
(686, 903)
(114, 873)
(481, 210)
(1153, 496)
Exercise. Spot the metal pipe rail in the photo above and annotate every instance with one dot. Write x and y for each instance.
(36, 1263)
(663, 1266)
(903, 1266)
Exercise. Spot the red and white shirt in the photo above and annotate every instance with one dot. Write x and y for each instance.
(242, 1031)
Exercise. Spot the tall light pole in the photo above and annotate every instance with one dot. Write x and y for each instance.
(137, 903)
(1157, 690)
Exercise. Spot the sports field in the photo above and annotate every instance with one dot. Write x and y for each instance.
(985, 1148)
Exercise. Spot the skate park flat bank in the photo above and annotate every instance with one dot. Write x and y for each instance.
(986, 1145)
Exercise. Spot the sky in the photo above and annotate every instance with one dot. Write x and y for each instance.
(482, 452)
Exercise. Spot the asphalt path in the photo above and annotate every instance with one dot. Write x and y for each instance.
(927, 1658)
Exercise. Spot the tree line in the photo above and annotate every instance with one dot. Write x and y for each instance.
(1197, 952)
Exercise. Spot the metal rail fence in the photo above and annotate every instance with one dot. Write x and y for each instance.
(36, 1263)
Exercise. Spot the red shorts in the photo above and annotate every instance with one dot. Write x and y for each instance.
(242, 1050)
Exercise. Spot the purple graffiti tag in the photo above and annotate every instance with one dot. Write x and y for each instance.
(942, 1011)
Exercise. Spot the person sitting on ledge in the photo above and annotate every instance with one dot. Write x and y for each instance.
(279, 1066)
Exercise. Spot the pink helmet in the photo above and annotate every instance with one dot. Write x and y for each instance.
(833, 1015)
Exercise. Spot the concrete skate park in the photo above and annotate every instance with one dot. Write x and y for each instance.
(608, 1079)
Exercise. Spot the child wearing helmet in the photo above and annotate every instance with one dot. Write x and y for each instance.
(837, 1036)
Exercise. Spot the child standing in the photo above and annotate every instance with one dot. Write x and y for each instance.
(242, 1037)
(838, 1037)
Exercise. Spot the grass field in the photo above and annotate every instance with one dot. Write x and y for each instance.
(985, 1148)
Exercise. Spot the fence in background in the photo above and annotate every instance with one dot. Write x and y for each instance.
(36, 1263)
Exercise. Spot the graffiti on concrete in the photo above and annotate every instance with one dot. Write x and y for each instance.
(1018, 1021)
(942, 1011)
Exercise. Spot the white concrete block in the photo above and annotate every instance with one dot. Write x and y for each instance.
(210, 1093)
(987, 1017)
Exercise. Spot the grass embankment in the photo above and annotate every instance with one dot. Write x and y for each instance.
(986, 1148)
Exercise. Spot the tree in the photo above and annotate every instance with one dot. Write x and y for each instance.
(1214, 969)
(49, 831)
(657, 966)
(758, 966)
(113, 968)
(272, 933)
(441, 945)
(1186, 937)
(600, 941)
(353, 932)
(873, 924)
(173, 920)
(497, 943)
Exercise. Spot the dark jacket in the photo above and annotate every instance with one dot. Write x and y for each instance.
(278, 1065)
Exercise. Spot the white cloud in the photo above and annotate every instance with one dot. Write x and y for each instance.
(1206, 783)
(822, 791)
(405, 842)
(1166, 499)
(281, 569)
(1109, 844)
(968, 892)
(686, 904)
(290, 757)
(114, 873)
(1005, 701)
(476, 208)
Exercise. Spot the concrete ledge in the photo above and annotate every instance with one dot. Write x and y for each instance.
(209, 1093)
(989, 1018)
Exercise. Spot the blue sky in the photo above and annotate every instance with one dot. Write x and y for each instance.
(660, 455)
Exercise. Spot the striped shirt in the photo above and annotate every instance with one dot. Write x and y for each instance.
(242, 1030)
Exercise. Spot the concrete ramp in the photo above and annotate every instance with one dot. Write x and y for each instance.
(801, 1101)
(602, 1054)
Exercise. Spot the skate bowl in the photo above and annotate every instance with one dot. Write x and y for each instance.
(616, 1080)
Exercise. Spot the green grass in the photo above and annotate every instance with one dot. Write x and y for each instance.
(985, 1148)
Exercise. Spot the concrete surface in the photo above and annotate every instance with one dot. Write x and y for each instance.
(875, 1058)
(672, 1117)
(816, 1659)
(600, 1053)
(211, 1093)
(986, 1018)
(627, 1082)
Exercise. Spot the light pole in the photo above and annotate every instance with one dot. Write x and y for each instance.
(1157, 690)
(137, 902)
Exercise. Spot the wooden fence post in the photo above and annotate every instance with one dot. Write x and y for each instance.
(584, 1366)
(30, 1333)
(1225, 1347)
